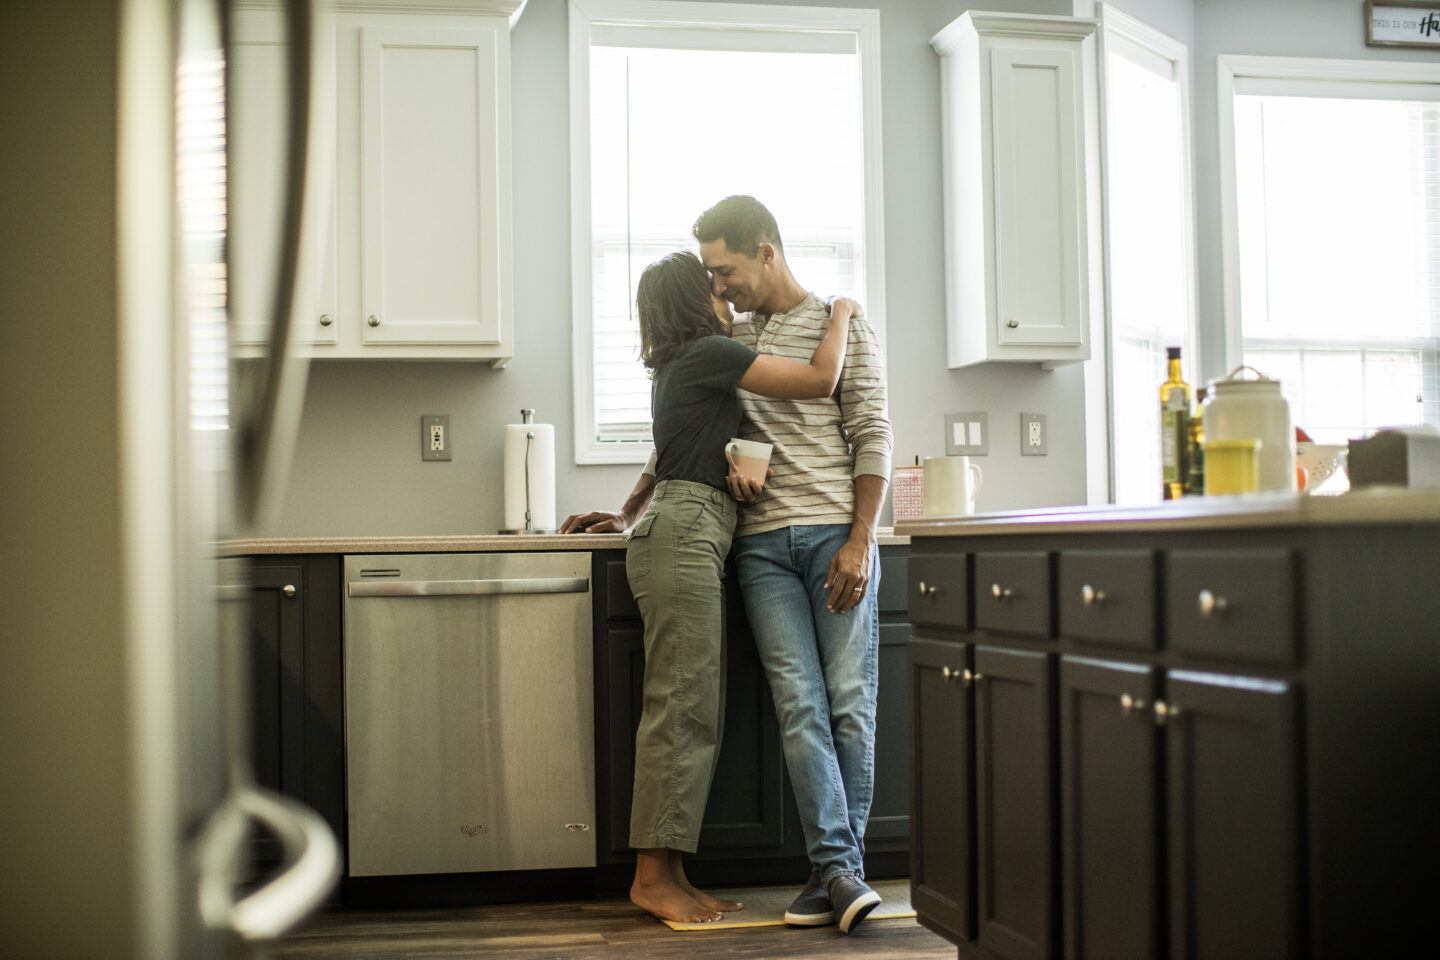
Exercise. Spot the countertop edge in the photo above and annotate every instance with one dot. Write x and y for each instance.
(1268, 511)
(476, 543)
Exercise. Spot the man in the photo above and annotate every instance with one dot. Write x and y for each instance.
(806, 551)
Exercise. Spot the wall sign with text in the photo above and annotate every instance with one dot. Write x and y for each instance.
(1402, 24)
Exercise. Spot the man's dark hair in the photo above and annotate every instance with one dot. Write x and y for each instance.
(742, 222)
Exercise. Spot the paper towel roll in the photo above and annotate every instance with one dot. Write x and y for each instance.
(542, 476)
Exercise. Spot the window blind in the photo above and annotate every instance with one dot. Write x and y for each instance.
(1338, 201)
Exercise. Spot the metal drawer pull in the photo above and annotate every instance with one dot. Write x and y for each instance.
(1001, 594)
(288, 590)
(1130, 705)
(374, 321)
(965, 677)
(325, 320)
(465, 588)
(1092, 597)
(1211, 605)
(927, 591)
(1165, 711)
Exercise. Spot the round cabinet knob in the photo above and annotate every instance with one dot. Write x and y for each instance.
(1130, 705)
(374, 321)
(1001, 594)
(325, 320)
(1012, 323)
(1211, 605)
(968, 678)
(1091, 597)
(1165, 712)
(947, 674)
(927, 590)
(288, 590)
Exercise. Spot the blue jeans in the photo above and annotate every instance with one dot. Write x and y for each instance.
(823, 673)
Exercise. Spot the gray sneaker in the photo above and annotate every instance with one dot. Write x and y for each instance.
(852, 901)
(812, 908)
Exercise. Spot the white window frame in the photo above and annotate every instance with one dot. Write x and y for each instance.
(586, 14)
(1230, 68)
(1115, 22)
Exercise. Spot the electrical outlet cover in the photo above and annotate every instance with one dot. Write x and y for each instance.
(428, 423)
(1034, 438)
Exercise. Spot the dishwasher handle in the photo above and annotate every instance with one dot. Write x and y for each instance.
(466, 588)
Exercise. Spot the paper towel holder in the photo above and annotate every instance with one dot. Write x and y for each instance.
(527, 415)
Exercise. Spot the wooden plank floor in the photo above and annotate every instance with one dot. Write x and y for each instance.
(586, 930)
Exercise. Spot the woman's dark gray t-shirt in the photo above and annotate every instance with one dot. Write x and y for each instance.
(696, 410)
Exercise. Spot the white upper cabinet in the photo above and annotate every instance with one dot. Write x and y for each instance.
(257, 74)
(1016, 142)
(434, 186)
(413, 260)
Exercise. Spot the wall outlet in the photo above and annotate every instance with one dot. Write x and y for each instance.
(967, 434)
(1033, 440)
(435, 440)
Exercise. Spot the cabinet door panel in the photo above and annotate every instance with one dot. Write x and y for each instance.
(1035, 115)
(1108, 800)
(1012, 593)
(1232, 756)
(257, 84)
(435, 151)
(890, 806)
(1015, 815)
(942, 842)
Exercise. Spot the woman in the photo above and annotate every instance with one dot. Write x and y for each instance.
(675, 560)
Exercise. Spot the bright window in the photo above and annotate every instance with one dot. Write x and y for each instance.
(676, 116)
(1337, 196)
(1148, 224)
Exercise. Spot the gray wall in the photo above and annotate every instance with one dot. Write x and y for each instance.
(1314, 28)
(358, 470)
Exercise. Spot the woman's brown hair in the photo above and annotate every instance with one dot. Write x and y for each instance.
(673, 303)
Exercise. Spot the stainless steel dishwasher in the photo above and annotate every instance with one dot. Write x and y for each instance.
(469, 717)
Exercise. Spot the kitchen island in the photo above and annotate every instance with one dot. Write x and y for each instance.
(1201, 729)
(310, 684)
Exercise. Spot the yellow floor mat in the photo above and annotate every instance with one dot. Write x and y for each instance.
(765, 906)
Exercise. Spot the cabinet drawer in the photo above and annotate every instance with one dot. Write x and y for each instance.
(939, 591)
(1108, 596)
(894, 584)
(1012, 593)
(1232, 604)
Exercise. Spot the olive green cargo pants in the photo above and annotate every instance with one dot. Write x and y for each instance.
(675, 562)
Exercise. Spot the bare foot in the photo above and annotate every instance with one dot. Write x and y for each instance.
(669, 902)
(677, 873)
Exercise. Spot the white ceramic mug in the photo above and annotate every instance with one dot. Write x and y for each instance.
(749, 458)
(951, 485)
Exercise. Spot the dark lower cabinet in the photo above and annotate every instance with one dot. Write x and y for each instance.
(1109, 809)
(1233, 817)
(942, 838)
(1015, 785)
(296, 655)
(890, 806)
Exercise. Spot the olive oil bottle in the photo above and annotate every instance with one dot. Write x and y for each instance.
(1175, 403)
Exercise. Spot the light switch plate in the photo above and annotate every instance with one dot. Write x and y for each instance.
(435, 439)
(967, 434)
(1034, 439)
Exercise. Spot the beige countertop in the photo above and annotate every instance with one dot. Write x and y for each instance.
(1376, 506)
(460, 543)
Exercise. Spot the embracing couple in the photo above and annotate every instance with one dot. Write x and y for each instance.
(807, 378)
